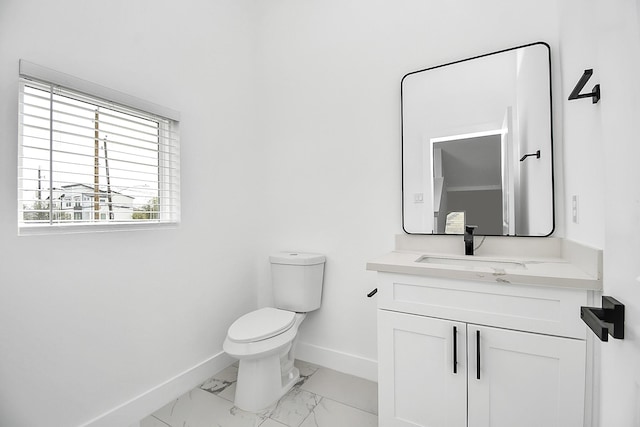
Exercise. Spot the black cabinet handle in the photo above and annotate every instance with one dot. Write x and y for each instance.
(372, 293)
(478, 354)
(455, 350)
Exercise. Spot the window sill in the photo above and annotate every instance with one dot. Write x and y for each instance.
(47, 229)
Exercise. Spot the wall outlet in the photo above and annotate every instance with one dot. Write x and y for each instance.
(574, 208)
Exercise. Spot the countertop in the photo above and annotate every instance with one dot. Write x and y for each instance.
(555, 262)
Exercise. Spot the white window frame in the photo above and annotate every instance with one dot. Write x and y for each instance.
(168, 176)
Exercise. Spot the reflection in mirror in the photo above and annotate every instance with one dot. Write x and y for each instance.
(477, 147)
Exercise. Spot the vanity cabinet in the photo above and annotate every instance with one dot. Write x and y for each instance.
(416, 382)
(456, 353)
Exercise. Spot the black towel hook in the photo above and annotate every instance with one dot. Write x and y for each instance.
(536, 154)
(595, 92)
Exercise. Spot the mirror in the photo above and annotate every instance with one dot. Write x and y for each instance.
(477, 145)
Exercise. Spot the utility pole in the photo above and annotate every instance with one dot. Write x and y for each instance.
(96, 169)
(106, 166)
(39, 192)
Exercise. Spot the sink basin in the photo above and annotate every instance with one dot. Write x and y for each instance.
(472, 262)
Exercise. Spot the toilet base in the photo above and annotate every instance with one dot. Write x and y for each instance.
(266, 371)
(262, 382)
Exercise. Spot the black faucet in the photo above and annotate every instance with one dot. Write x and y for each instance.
(468, 239)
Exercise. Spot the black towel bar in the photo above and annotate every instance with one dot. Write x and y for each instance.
(605, 321)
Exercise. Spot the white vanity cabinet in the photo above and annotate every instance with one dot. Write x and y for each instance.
(529, 342)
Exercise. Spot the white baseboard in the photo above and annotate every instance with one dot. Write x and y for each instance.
(133, 410)
(344, 362)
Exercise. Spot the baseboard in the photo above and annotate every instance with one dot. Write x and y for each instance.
(344, 362)
(133, 410)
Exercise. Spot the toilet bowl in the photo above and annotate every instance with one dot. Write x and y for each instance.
(264, 340)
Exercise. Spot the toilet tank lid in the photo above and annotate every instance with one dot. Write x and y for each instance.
(296, 258)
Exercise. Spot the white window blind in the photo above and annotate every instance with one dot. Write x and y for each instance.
(86, 161)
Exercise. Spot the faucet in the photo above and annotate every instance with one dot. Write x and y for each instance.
(468, 239)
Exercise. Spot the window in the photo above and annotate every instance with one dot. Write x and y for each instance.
(92, 158)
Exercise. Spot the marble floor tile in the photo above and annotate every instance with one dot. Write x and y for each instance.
(353, 391)
(199, 408)
(322, 397)
(294, 407)
(223, 384)
(152, 421)
(329, 413)
(272, 423)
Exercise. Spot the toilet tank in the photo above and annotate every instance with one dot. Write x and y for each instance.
(297, 280)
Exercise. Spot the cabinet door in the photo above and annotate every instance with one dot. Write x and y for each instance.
(417, 382)
(526, 380)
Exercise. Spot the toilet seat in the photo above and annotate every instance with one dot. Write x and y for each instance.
(260, 325)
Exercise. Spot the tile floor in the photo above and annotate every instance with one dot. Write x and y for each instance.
(322, 398)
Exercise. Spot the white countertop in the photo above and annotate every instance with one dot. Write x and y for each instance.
(562, 264)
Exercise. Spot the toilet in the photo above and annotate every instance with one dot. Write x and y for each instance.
(264, 340)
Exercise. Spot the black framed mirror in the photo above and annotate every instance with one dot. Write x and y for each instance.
(477, 145)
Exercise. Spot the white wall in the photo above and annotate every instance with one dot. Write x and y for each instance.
(75, 347)
(329, 87)
(618, 62)
(579, 163)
